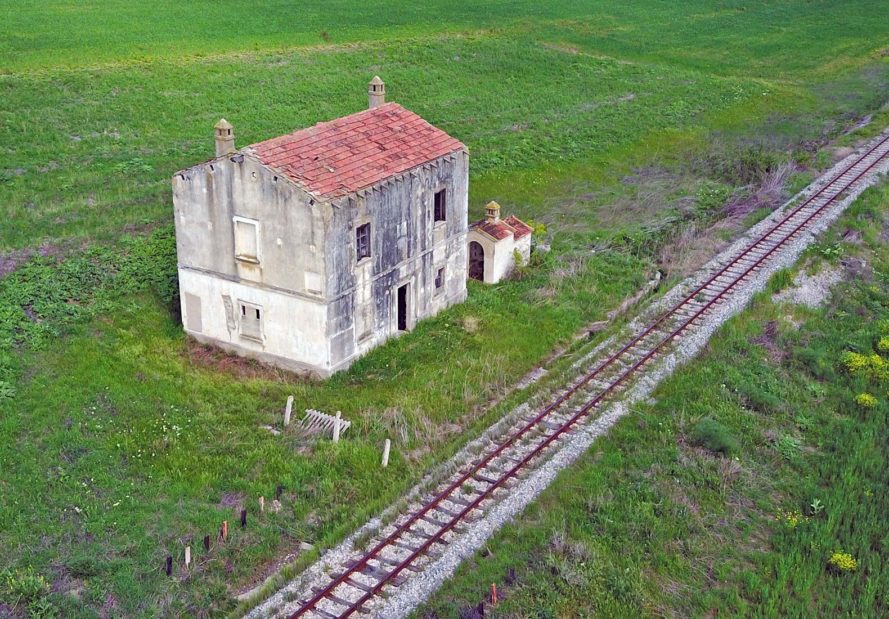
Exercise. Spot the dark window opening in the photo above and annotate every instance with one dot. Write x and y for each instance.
(439, 279)
(362, 241)
(402, 308)
(440, 205)
(243, 310)
(257, 314)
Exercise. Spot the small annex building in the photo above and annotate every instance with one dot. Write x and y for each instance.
(309, 249)
(495, 244)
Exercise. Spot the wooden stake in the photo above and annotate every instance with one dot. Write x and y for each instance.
(224, 531)
(206, 542)
(386, 447)
(243, 518)
(168, 568)
(494, 594)
(261, 504)
(288, 410)
(187, 556)
(336, 427)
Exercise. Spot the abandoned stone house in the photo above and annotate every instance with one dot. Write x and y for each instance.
(496, 245)
(309, 249)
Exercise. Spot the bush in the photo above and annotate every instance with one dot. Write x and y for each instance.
(842, 562)
(865, 400)
(712, 435)
(870, 366)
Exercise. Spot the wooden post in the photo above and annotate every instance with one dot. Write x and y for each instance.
(336, 427)
(261, 504)
(288, 410)
(187, 556)
(243, 518)
(493, 594)
(168, 568)
(206, 542)
(386, 447)
(224, 531)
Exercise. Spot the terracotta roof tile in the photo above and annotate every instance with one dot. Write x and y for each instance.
(344, 155)
(521, 228)
(509, 226)
(496, 229)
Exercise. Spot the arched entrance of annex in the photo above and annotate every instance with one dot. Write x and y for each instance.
(476, 261)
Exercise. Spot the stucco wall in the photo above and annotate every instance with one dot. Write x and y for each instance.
(407, 247)
(207, 197)
(293, 327)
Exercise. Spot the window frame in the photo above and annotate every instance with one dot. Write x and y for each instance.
(237, 220)
(439, 281)
(440, 206)
(362, 249)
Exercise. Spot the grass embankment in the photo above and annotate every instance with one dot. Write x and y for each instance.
(120, 443)
(756, 484)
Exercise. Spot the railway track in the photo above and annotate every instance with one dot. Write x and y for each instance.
(417, 537)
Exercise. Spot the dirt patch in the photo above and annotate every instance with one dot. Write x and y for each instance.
(110, 608)
(768, 339)
(12, 260)
(217, 360)
(233, 500)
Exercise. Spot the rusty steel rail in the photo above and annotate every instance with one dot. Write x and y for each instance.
(737, 268)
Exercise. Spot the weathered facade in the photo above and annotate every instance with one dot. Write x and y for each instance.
(308, 250)
(495, 245)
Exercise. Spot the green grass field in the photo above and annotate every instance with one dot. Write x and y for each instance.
(623, 127)
(731, 493)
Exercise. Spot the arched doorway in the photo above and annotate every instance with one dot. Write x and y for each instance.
(476, 261)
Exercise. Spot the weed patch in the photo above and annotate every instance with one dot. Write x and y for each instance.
(712, 435)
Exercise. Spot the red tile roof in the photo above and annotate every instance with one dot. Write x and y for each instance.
(350, 153)
(520, 227)
(497, 229)
(511, 226)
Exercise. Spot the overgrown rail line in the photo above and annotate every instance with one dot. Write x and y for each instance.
(415, 535)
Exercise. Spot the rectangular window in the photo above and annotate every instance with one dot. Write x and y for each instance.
(251, 321)
(362, 241)
(439, 280)
(441, 205)
(246, 239)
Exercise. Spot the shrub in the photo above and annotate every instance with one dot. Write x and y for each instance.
(865, 400)
(712, 435)
(883, 344)
(871, 367)
(842, 562)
